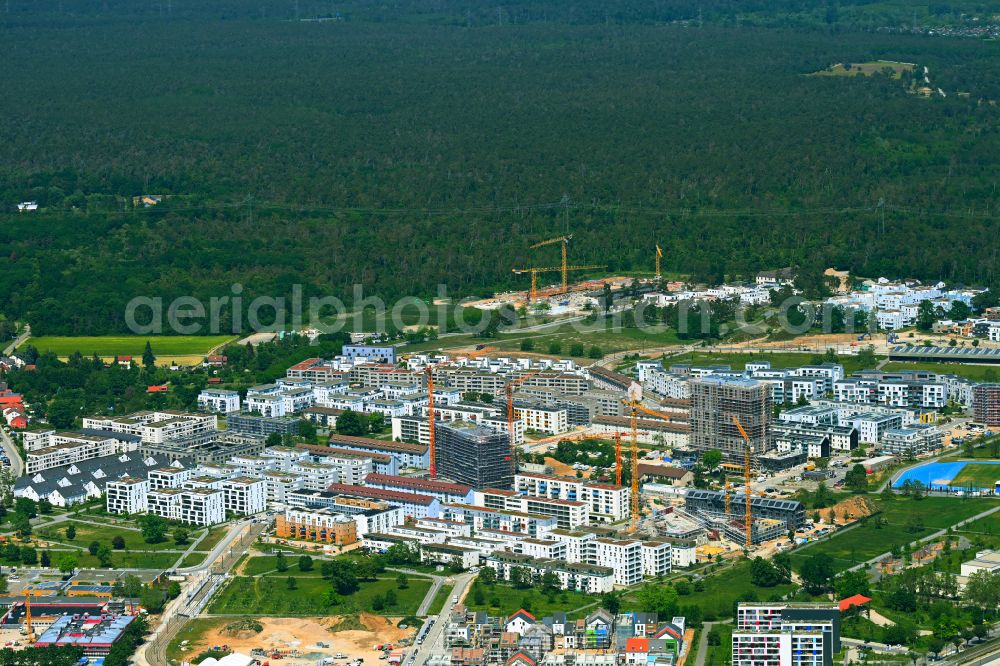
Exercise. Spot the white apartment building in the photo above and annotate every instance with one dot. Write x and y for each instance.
(622, 557)
(317, 476)
(202, 506)
(605, 502)
(544, 549)
(156, 427)
(666, 384)
(872, 426)
(266, 405)
(127, 496)
(579, 545)
(550, 420)
(656, 558)
(169, 477)
(280, 484)
(69, 448)
(245, 496)
(913, 440)
(220, 401)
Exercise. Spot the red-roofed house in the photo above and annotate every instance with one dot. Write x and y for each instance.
(636, 650)
(15, 418)
(519, 622)
(858, 600)
(521, 658)
(124, 360)
(162, 388)
(11, 399)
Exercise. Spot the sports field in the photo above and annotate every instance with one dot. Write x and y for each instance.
(977, 475)
(130, 345)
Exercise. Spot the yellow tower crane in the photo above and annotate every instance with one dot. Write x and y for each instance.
(533, 294)
(659, 255)
(27, 616)
(747, 452)
(564, 241)
(634, 401)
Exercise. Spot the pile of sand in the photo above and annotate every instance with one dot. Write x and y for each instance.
(849, 510)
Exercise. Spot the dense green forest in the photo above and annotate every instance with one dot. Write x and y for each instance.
(410, 144)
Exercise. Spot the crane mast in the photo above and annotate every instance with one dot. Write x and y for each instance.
(747, 451)
(430, 422)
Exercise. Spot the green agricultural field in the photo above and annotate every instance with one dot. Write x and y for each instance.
(501, 599)
(129, 345)
(906, 519)
(976, 476)
(270, 595)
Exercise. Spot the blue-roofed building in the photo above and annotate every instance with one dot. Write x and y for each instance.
(95, 634)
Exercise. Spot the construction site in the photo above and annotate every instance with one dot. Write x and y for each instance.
(564, 297)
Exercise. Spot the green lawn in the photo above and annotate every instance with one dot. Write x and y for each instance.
(566, 335)
(129, 345)
(193, 559)
(738, 361)
(500, 599)
(270, 595)
(861, 543)
(440, 599)
(265, 564)
(193, 630)
(725, 587)
(120, 559)
(976, 476)
(212, 539)
(974, 372)
(86, 533)
(721, 654)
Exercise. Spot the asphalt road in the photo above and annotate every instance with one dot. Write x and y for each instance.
(16, 464)
(18, 341)
(434, 641)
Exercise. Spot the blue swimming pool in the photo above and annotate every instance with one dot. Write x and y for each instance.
(937, 473)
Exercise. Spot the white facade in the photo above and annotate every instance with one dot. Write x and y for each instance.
(656, 558)
(624, 557)
(245, 496)
(127, 496)
(219, 401)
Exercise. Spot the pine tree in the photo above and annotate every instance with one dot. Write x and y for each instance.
(148, 358)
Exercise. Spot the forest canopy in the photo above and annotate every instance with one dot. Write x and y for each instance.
(401, 146)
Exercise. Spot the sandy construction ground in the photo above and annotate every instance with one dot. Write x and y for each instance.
(302, 634)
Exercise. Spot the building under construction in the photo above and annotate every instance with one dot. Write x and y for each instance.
(474, 455)
(772, 518)
(715, 401)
